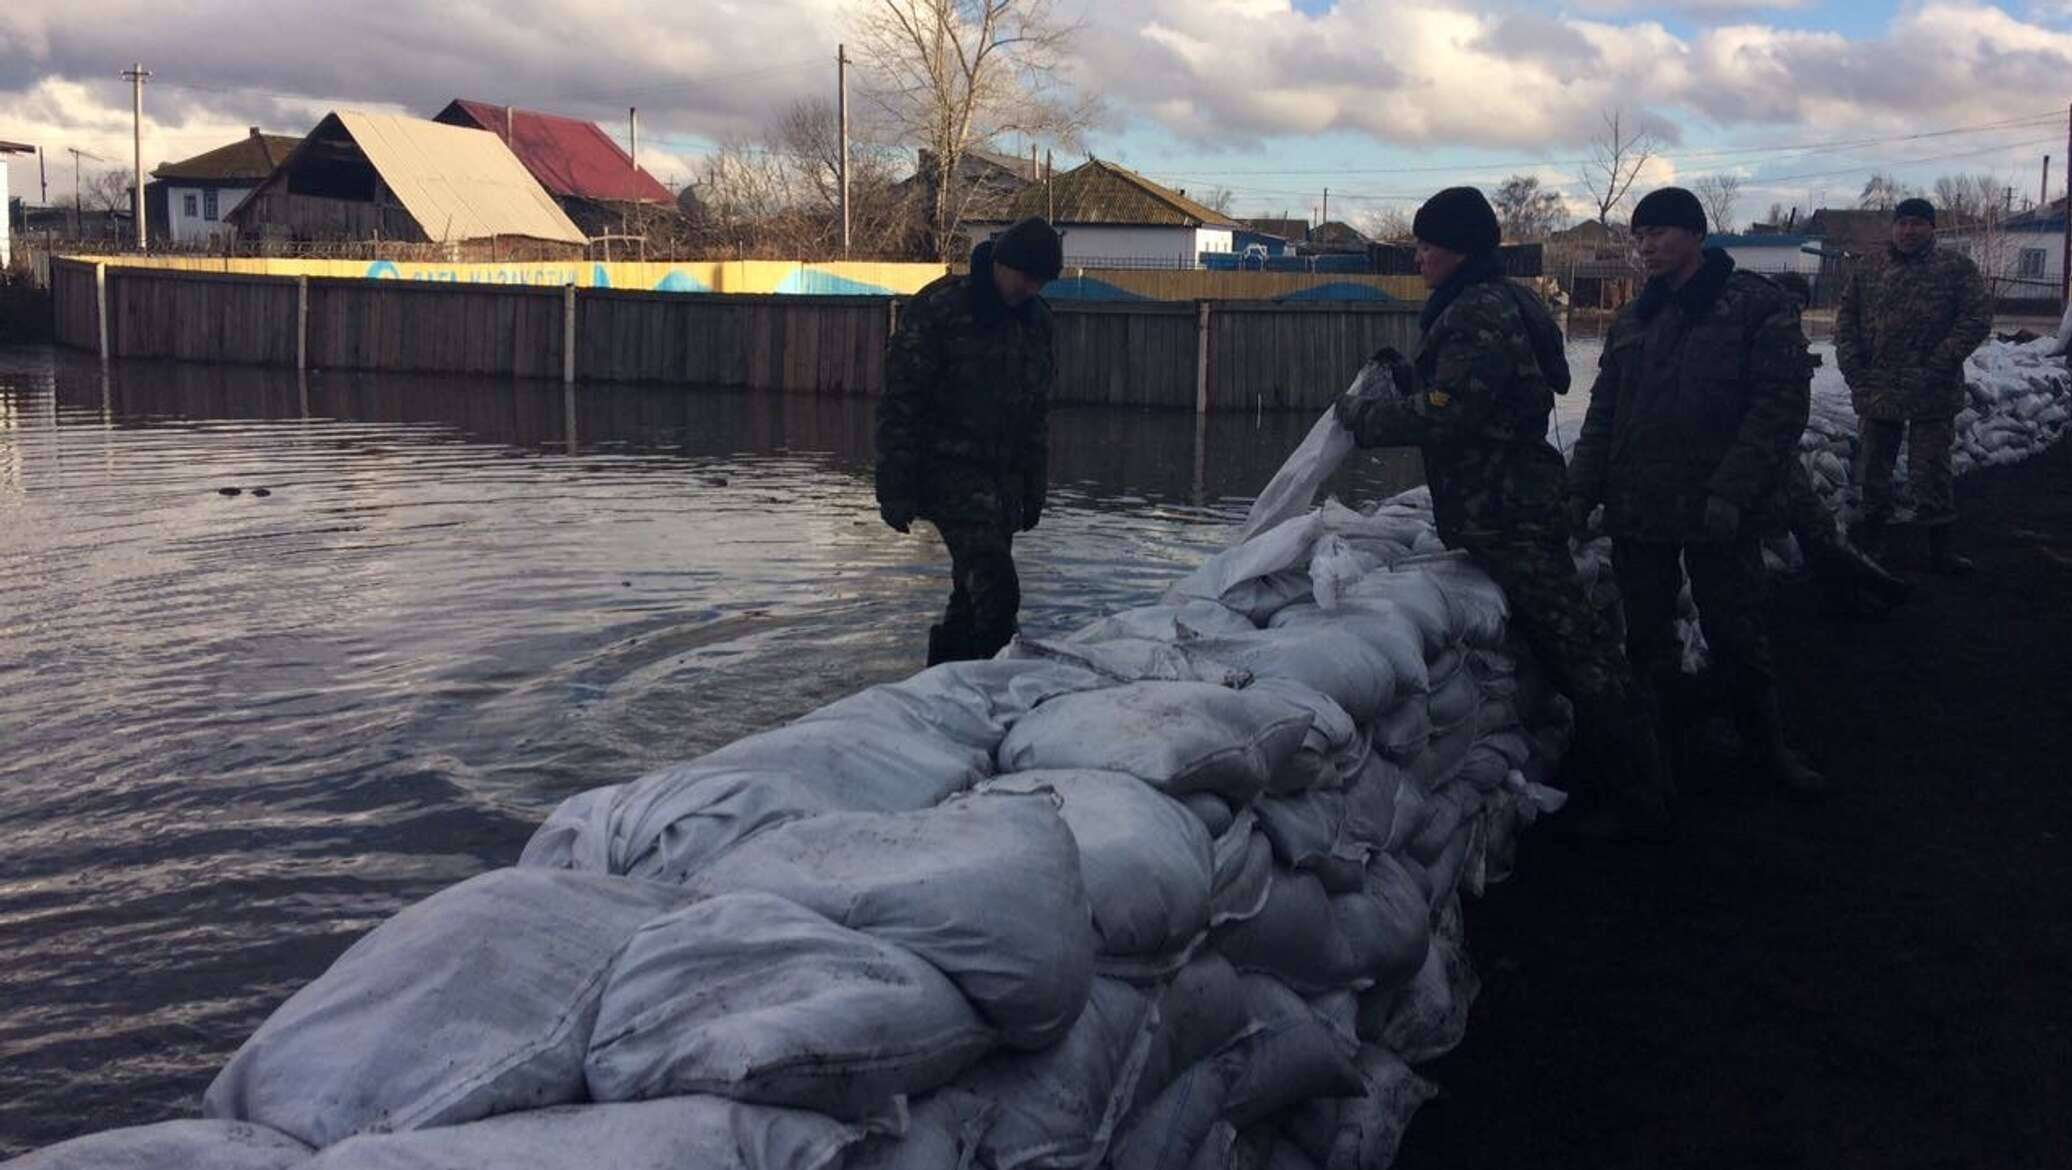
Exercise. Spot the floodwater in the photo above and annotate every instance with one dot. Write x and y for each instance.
(238, 730)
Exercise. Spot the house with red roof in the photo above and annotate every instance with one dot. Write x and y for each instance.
(595, 181)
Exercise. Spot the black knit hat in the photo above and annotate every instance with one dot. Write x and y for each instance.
(1919, 208)
(1460, 219)
(1031, 246)
(1670, 207)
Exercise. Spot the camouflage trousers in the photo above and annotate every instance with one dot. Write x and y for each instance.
(1552, 615)
(1729, 586)
(1928, 442)
(985, 593)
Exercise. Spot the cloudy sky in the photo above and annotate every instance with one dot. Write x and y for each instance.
(1382, 101)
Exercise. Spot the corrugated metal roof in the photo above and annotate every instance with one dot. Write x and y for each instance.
(1101, 192)
(252, 158)
(569, 157)
(458, 184)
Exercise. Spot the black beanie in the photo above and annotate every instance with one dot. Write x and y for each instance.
(1031, 246)
(1458, 218)
(1670, 207)
(1920, 208)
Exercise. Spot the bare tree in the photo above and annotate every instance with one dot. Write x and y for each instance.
(1386, 224)
(1719, 193)
(1968, 198)
(1882, 192)
(954, 74)
(106, 191)
(1527, 210)
(1616, 160)
(1777, 215)
(1219, 200)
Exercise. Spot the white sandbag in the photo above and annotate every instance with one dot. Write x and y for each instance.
(172, 1145)
(476, 1001)
(1454, 700)
(1128, 660)
(1167, 623)
(1306, 828)
(1439, 765)
(1202, 1011)
(1403, 733)
(1258, 599)
(943, 1133)
(708, 1133)
(1371, 1125)
(1296, 938)
(671, 823)
(973, 703)
(1179, 737)
(1390, 927)
(1213, 811)
(1289, 1056)
(1479, 611)
(986, 888)
(1292, 489)
(1370, 803)
(1281, 548)
(876, 764)
(1358, 675)
(1059, 1107)
(1148, 864)
(1168, 1130)
(1244, 872)
(1333, 569)
(1418, 596)
(1333, 750)
(1217, 1150)
(577, 834)
(1379, 625)
(1429, 1015)
(756, 999)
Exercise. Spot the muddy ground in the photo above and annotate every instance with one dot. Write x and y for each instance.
(1883, 980)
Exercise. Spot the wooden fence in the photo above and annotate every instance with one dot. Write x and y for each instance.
(1204, 356)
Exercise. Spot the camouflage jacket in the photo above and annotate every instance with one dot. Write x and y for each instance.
(1702, 391)
(1477, 406)
(1905, 327)
(962, 429)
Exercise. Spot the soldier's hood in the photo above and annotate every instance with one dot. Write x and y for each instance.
(986, 304)
(1697, 295)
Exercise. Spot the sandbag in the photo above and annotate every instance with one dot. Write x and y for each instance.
(1289, 493)
(1359, 676)
(1201, 1012)
(876, 764)
(1295, 938)
(1477, 605)
(172, 1145)
(1211, 810)
(756, 999)
(1361, 1131)
(1179, 737)
(1418, 597)
(1370, 802)
(671, 823)
(708, 1133)
(986, 888)
(1334, 566)
(1168, 623)
(1289, 1056)
(1382, 628)
(1148, 863)
(1168, 1130)
(1429, 1015)
(1128, 660)
(1058, 1107)
(476, 1001)
(1244, 872)
(943, 1133)
(973, 703)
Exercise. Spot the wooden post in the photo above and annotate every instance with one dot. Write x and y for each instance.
(568, 334)
(891, 317)
(302, 322)
(101, 306)
(1201, 358)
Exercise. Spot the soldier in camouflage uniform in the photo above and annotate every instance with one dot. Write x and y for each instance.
(1700, 399)
(1908, 320)
(1475, 400)
(963, 427)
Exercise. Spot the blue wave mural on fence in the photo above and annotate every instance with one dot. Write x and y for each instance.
(681, 281)
(1339, 291)
(813, 283)
(1086, 288)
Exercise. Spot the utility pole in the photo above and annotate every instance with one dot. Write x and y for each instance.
(2065, 220)
(43, 176)
(1050, 200)
(842, 118)
(1325, 216)
(78, 210)
(136, 74)
(2043, 199)
(633, 135)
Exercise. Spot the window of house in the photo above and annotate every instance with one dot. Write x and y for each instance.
(208, 204)
(2031, 263)
(189, 205)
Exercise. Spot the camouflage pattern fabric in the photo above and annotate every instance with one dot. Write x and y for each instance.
(1928, 442)
(1906, 324)
(1477, 405)
(985, 593)
(1693, 404)
(962, 428)
(1729, 586)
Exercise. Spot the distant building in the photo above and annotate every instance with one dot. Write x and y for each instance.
(1336, 236)
(592, 179)
(2022, 256)
(186, 202)
(1111, 217)
(6, 206)
(380, 177)
(1769, 252)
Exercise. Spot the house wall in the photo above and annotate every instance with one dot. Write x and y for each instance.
(6, 220)
(1757, 259)
(2002, 257)
(279, 213)
(199, 226)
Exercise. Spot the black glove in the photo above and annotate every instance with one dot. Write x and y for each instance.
(897, 514)
(1722, 518)
(1579, 510)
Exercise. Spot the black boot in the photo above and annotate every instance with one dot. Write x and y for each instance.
(1636, 790)
(1870, 537)
(1941, 560)
(1855, 584)
(1767, 756)
(945, 645)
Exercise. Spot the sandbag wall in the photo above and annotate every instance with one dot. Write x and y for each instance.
(1179, 890)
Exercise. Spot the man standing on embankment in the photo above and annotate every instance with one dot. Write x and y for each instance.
(1907, 322)
(963, 427)
(1700, 399)
(1475, 401)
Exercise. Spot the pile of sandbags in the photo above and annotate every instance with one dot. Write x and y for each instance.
(1180, 889)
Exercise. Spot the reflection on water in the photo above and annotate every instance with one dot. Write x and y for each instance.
(240, 729)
